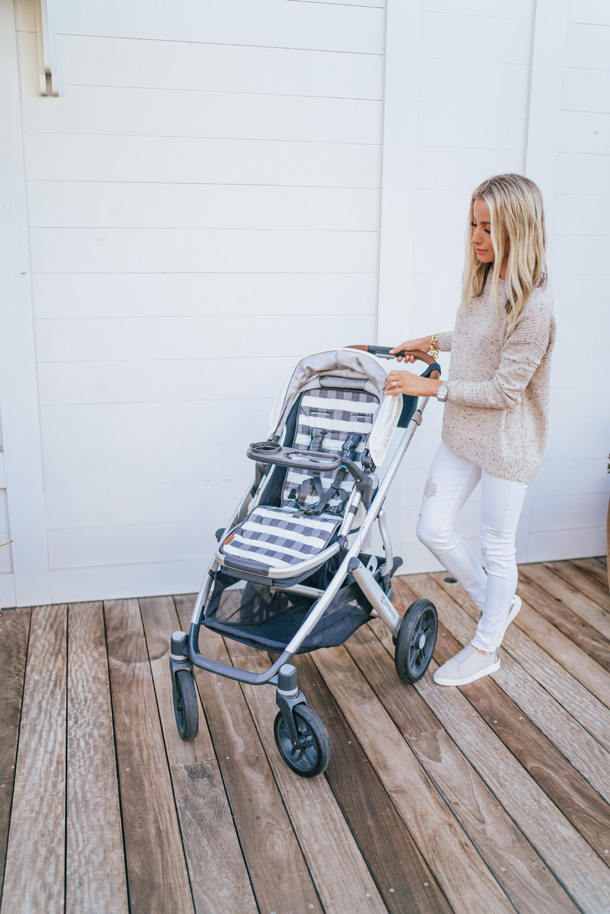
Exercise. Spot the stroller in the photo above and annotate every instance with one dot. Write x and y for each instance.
(291, 572)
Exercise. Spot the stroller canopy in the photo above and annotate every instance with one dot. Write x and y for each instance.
(351, 364)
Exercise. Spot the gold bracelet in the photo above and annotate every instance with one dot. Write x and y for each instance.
(433, 350)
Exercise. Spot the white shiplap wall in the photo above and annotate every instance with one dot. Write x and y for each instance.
(570, 496)
(203, 204)
(221, 188)
(471, 122)
(491, 100)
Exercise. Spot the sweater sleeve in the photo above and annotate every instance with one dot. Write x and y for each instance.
(521, 355)
(445, 340)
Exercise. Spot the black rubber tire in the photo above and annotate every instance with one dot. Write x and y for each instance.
(412, 658)
(314, 755)
(185, 705)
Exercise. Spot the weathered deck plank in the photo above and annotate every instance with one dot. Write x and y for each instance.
(570, 596)
(35, 864)
(210, 841)
(560, 844)
(437, 801)
(568, 691)
(499, 841)
(396, 863)
(560, 728)
(562, 617)
(338, 869)
(95, 861)
(156, 868)
(435, 828)
(543, 633)
(278, 870)
(597, 570)
(14, 631)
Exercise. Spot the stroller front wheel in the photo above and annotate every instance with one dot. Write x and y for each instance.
(185, 704)
(416, 640)
(312, 756)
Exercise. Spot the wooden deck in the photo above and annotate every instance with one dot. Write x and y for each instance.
(491, 798)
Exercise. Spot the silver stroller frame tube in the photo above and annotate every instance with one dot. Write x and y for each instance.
(185, 648)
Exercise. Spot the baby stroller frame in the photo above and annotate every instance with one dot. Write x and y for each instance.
(300, 735)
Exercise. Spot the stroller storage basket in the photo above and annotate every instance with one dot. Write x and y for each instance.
(260, 618)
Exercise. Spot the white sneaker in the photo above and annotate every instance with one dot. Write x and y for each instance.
(513, 612)
(465, 667)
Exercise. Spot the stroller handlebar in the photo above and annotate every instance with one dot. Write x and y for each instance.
(385, 352)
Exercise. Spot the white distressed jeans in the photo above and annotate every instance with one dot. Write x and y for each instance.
(451, 481)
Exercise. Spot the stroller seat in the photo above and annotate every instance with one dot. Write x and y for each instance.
(311, 503)
(276, 538)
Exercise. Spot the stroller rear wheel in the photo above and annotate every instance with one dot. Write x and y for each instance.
(416, 640)
(312, 756)
(185, 704)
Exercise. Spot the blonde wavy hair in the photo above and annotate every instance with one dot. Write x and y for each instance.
(517, 223)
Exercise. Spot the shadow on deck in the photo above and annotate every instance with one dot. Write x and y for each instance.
(494, 797)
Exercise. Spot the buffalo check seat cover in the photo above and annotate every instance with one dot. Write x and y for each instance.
(333, 421)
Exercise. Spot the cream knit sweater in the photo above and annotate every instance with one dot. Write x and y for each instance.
(496, 413)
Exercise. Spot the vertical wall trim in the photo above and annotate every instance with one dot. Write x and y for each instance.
(398, 189)
(399, 161)
(18, 387)
(548, 56)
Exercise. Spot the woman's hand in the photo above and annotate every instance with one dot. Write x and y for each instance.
(421, 344)
(405, 382)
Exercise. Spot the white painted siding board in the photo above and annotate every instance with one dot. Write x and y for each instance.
(578, 477)
(85, 383)
(210, 503)
(441, 122)
(370, 3)
(128, 295)
(569, 512)
(516, 9)
(7, 590)
(66, 204)
(272, 23)
(200, 250)
(463, 169)
(18, 384)
(586, 90)
(127, 545)
(205, 161)
(583, 253)
(582, 215)
(226, 68)
(479, 39)
(585, 132)
(447, 80)
(213, 337)
(548, 55)
(73, 585)
(583, 174)
(588, 46)
(163, 112)
(4, 522)
(6, 559)
(595, 12)
(157, 443)
(554, 545)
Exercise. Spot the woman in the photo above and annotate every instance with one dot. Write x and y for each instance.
(496, 407)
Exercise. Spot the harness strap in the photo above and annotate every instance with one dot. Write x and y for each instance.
(349, 449)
